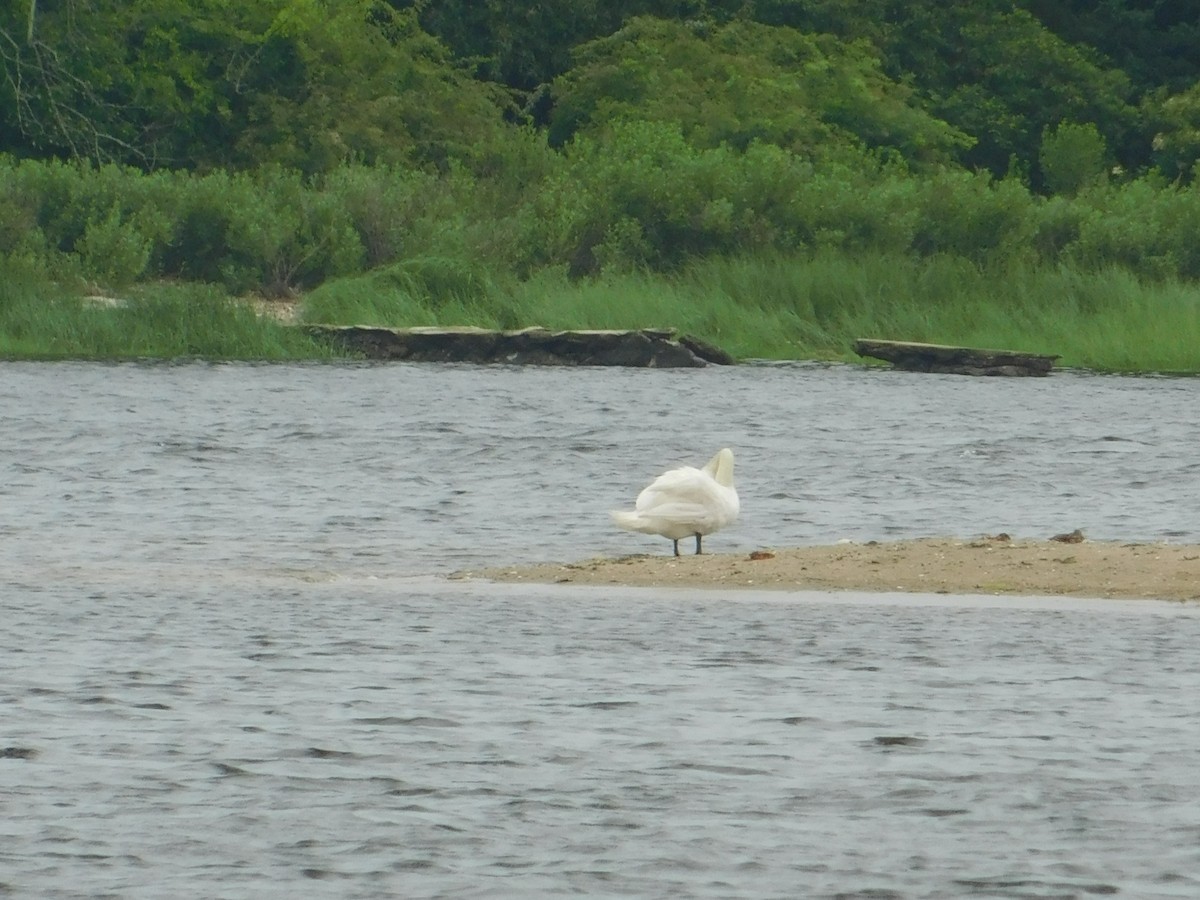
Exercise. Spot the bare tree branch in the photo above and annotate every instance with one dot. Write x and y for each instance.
(54, 107)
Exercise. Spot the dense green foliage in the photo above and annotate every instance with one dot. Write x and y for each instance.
(310, 83)
(643, 198)
(480, 160)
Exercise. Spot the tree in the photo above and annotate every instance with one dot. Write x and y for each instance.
(357, 80)
(525, 45)
(996, 73)
(1153, 41)
(1072, 157)
(744, 82)
(208, 83)
(46, 105)
(1176, 142)
(991, 68)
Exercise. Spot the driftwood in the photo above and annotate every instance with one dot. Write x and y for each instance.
(649, 348)
(940, 358)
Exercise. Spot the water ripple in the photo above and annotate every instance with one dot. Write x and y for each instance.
(223, 673)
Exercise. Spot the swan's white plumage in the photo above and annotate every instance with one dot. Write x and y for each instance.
(686, 501)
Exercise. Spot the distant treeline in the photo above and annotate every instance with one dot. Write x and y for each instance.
(271, 146)
(310, 84)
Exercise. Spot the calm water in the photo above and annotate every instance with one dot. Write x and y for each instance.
(229, 666)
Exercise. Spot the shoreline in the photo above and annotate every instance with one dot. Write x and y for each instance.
(998, 565)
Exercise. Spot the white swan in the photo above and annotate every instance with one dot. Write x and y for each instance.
(686, 501)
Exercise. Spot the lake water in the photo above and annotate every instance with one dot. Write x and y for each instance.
(230, 665)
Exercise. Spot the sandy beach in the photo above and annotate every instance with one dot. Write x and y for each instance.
(997, 564)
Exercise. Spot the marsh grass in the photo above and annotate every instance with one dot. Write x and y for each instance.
(166, 322)
(421, 291)
(769, 307)
(814, 308)
(1107, 320)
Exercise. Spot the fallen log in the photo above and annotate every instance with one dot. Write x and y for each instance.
(945, 359)
(648, 348)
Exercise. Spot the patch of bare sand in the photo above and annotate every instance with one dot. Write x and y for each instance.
(282, 309)
(990, 565)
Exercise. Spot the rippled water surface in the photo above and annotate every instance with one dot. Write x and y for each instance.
(229, 666)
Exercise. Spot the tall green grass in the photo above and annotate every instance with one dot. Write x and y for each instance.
(1106, 320)
(771, 307)
(814, 308)
(170, 322)
(426, 290)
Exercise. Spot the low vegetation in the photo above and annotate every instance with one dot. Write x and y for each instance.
(166, 322)
(775, 176)
(814, 308)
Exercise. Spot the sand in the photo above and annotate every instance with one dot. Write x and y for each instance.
(1065, 566)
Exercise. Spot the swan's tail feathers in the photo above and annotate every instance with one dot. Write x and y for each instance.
(630, 521)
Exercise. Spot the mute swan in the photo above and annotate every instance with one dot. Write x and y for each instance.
(686, 501)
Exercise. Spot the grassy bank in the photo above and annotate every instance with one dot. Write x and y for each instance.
(778, 308)
(761, 307)
(41, 321)
(759, 252)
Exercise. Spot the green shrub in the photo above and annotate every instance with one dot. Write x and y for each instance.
(386, 206)
(972, 216)
(288, 235)
(1056, 225)
(199, 245)
(1145, 226)
(1072, 157)
(112, 251)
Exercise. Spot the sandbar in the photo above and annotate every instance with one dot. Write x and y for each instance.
(986, 565)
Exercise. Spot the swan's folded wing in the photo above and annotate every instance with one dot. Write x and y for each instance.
(681, 512)
(670, 520)
(686, 485)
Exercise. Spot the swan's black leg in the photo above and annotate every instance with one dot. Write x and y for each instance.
(697, 543)
(676, 540)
